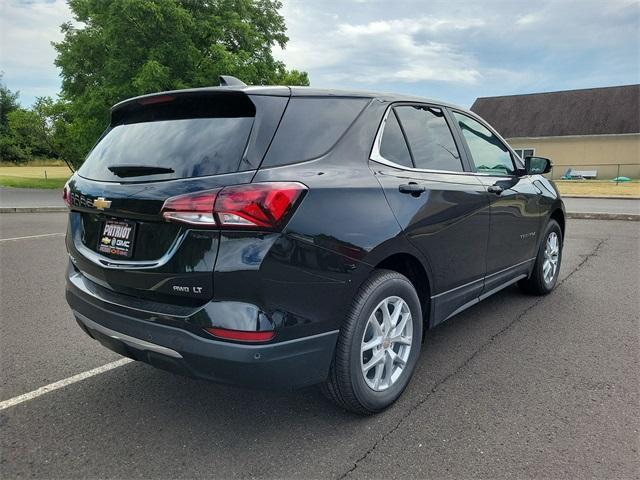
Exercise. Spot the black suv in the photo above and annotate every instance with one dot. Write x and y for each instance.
(282, 237)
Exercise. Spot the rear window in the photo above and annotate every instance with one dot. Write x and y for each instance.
(157, 142)
(311, 126)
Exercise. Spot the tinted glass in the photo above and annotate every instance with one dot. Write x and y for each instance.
(429, 138)
(190, 147)
(310, 127)
(489, 154)
(392, 145)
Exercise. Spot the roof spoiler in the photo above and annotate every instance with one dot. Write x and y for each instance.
(229, 81)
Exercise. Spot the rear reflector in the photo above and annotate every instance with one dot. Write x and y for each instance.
(241, 335)
(254, 206)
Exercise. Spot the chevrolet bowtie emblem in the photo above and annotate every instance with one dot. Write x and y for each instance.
(101, 203)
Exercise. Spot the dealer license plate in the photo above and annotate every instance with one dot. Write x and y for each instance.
(117, 238)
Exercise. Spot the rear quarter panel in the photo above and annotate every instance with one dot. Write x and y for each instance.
(342, 228)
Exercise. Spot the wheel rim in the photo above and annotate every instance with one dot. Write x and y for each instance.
(386, 343)
(551, 258)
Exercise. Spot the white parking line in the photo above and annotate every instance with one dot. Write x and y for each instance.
(31, 236)
(62, 383)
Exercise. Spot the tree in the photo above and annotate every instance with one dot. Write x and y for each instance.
(8, 104)
(125, 48)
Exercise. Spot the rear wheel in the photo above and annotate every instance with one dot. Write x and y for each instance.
(545, 272)
(379, 345)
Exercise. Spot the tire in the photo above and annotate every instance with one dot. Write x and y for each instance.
(537, 283)
(347, 384)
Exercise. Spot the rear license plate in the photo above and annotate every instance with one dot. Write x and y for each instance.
(117, 238)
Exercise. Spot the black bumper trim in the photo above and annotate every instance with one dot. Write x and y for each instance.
(287, 364)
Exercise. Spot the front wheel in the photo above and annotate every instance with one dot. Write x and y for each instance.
(379, 345)
(545, 272)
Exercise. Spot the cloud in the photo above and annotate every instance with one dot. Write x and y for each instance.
(454, 50)
(399, 50)
(464, 49)
(528, 19)
(26, 55)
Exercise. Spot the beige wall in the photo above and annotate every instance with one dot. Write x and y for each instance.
(598, 152)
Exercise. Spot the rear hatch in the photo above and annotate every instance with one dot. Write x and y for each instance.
(157, 147)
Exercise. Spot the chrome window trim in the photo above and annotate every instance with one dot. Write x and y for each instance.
(377, 157)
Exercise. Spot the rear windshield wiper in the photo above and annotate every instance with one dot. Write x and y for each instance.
(137, 170)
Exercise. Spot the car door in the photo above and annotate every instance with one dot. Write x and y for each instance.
(515, 208)
(441, 206)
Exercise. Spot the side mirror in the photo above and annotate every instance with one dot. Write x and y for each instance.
(537, 165)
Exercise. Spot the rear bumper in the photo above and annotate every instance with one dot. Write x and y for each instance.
(289, 364)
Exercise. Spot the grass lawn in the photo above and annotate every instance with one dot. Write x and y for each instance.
(599, 188)
(34, 176)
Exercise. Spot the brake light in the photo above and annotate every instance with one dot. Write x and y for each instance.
(241, 335)
(255, 205)
(155, 99)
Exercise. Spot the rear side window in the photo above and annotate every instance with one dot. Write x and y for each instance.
(393, 146)
(181, 138)
(311, 126)
(430, 140)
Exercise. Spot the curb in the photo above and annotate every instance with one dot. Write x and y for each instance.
(610, 197)
(603, 216)
(33, 209)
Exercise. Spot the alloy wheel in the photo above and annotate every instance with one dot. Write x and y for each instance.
(551, 258)
(386, 343)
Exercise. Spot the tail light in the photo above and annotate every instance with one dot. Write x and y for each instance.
(254, 206)
(66, 195)
(192, 209)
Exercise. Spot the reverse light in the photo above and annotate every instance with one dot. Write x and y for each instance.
(241, 335)
(256, 205)
(192, 208)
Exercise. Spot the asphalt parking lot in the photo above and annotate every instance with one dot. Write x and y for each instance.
(517, 386)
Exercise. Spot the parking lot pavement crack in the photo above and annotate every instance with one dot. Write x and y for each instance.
(593, 253)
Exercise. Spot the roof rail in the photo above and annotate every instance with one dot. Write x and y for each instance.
(229, 81)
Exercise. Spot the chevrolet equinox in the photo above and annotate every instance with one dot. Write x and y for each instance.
(279, 237)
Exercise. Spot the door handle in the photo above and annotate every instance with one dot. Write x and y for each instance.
(412, 188)
(497, 189)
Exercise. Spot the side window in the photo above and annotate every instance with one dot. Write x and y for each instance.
(392, 145)
(489, 154)
(310, 127)
(430, 140)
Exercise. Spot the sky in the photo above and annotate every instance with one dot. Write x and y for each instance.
(454, 50)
